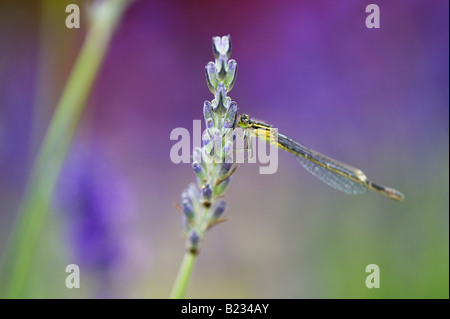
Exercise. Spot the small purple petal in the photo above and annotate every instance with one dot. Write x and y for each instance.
(219, 209)
(199, 171)
(230, 116)
(193, 241)
(222, 46)
(231, 75)
(211, 77)
(208, 114)
(197, 155)
(206, 139)
(206, 192)
(188, 210)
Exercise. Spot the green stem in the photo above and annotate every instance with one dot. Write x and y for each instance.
(184, 273)
(45, 171)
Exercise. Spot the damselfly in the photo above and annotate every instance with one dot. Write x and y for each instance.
(341, 176)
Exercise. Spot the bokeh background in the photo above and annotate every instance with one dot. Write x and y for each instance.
(377, 99)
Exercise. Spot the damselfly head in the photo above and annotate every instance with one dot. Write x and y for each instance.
(244, 121)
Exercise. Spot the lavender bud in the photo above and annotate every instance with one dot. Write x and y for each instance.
(218, 210)
(228, 148)
(231, 75)
(222, 187)
(207, 147)
(206, 139)
(221, 95)
(197, 155)
(209, 123)
(192, 194)
(188, 210)
(217, 142)
(185, 196)
(208, 114)
(193, 241)
(227, 123)
(206, 193)
(211, 77)
(222, 46)
(193, 191)
(230, 116)
(220, 102)
(199, 171)
(207, 154)
(221, 68)
(224, 168)
(229, 158)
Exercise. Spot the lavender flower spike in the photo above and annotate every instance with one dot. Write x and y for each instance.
(213, 162)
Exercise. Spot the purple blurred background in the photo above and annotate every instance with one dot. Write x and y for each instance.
(377, 99)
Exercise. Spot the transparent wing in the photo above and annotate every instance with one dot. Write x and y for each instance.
(346, 178)
(331, 178)
(340, 176)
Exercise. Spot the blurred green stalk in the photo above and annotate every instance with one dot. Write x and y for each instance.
(184, 273)
(45, 171)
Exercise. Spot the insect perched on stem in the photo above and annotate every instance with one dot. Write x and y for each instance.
(341, 176)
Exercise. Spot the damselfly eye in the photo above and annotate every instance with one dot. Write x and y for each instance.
(244, 119)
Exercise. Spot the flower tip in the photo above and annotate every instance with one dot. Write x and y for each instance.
(211, 77)
(207, 194)
(193, 242)
(222, 46)
(206, 139)
(188, 210)
(199, 171)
